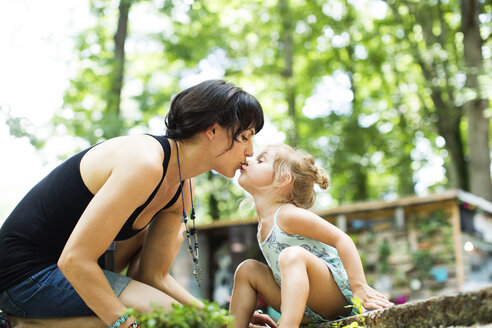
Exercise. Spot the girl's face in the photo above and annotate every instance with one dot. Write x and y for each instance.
(259, 172)
(230, 161)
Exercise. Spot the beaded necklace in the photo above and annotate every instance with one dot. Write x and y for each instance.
(195, 256)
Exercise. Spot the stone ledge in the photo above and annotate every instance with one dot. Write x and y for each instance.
(463, 309)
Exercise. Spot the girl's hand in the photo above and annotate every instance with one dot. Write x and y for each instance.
(370, 298)
(261, 320)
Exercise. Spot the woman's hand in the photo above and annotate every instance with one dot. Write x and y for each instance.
(261, 320)
(370, 298)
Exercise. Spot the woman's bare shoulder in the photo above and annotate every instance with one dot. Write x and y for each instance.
(133, 150)
(127, 157)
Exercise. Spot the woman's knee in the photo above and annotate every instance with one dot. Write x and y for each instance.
(246, 268)
(291, 255)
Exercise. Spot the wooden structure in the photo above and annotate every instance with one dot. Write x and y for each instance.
(402, 208)
(239, 236)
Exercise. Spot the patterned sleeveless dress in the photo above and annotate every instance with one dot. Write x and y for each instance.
(277, 240)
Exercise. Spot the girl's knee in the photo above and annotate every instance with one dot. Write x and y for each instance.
(246, 268)
(291, 255)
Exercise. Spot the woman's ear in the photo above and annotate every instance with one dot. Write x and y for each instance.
(211, 131)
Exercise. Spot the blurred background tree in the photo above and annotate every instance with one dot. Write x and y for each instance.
(372, 88)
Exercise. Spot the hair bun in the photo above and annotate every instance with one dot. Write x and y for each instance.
(175, 133)
(322, 179)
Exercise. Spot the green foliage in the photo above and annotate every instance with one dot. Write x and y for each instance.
(435, 223)
(211, 316)
(384, 252)
(423, 261)
(86, 111)
(434, 234)
(219, 195)
(368, 85)
(21, 127)
(354, 324)
(358, 309)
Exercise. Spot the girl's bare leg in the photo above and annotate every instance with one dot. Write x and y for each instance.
(306, 279)
(252, 278)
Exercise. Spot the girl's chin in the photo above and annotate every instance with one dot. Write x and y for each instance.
(246, 188)
(240, 183)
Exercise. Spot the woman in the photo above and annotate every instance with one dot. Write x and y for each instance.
(132, 190)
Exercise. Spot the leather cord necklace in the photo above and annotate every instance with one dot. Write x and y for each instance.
(190, 232)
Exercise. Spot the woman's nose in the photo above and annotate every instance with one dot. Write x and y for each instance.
(248, 151)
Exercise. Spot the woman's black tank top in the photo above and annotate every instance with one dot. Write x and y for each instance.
(35, 233)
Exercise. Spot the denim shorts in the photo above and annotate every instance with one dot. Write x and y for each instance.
(48, 294)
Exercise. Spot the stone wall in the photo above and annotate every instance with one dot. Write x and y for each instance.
(464, 309)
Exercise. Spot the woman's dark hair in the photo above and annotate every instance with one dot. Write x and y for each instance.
(214, 101)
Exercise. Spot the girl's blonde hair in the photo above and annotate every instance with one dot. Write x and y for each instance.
(304, 174)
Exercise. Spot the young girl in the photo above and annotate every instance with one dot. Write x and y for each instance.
(313, 267)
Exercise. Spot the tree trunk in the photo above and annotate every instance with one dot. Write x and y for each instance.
(449, 116)
(406, 186)
(449, 128)
(359, 176)
(119, 56)
(355, 140)
(478, 124)
(288, 72)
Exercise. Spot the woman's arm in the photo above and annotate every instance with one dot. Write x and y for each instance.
(161, 246)
(131, 180)
(294, 220)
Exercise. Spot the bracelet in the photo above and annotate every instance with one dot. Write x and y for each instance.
(118, 322)
(134, 325)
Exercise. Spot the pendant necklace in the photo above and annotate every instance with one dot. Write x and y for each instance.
(193, 250)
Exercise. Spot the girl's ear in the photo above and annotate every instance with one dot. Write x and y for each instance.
(285, 179)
